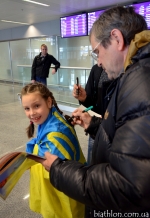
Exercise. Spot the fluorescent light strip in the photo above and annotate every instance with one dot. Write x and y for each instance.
(38, 3)
(9, 21)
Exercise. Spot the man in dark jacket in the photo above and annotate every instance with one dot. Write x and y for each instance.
(96, 94)
(118, 180)
(41, 65)
(97, 81)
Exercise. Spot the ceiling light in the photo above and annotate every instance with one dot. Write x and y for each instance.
(38, 3)
(10, 21)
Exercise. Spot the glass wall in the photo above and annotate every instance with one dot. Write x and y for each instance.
(73, 54)
(5, 63)
(20, 55)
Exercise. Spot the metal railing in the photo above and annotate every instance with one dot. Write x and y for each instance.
(61, 83)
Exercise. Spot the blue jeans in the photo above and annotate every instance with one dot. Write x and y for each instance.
(41, 80)
(90, 148)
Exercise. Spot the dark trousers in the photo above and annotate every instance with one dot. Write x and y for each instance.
(41, 80)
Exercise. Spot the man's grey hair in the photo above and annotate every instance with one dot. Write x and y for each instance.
(124, 19)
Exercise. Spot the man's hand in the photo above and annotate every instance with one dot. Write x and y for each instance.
(82, 93)
(50, 158)
(82, 119)
(32, 81)
(53, 71)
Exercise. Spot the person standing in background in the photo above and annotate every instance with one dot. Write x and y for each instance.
(41, 65)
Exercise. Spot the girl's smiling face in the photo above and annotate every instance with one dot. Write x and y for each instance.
(36, 108)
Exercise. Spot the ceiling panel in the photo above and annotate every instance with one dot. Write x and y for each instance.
(20, 11)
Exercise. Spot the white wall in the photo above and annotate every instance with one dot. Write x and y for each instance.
(49, 28)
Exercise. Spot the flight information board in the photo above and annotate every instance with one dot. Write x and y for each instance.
(92, 16)
(75, 25)
(143, 9)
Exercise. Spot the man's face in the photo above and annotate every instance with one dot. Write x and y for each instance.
(109, 58)
(44, 50)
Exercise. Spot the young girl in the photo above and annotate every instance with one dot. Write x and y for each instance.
(56, 135)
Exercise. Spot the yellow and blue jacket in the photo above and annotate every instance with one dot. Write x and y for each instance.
(58, 137)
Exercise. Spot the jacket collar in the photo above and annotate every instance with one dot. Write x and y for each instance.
(141, 39)
(41, 54)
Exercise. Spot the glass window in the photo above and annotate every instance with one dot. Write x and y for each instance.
(21, 55)
(74, 52)
(5, 63)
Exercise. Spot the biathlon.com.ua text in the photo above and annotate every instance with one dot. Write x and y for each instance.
(119, 214)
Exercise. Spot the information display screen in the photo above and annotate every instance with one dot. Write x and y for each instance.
(75, 25)
(143, 9)
(92, 16)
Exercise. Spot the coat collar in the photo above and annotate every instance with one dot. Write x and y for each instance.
(141, 39)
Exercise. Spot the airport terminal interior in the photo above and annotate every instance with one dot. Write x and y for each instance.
(13, 138)
(19, 44)
(16, 60)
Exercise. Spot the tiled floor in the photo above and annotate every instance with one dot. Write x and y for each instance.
(13, 137)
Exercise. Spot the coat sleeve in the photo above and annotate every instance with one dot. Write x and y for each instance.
(93, 127)
(91, 87)
(86, 184)
(88, 88)
(33, 70)
(56, 63)
(120, 185)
